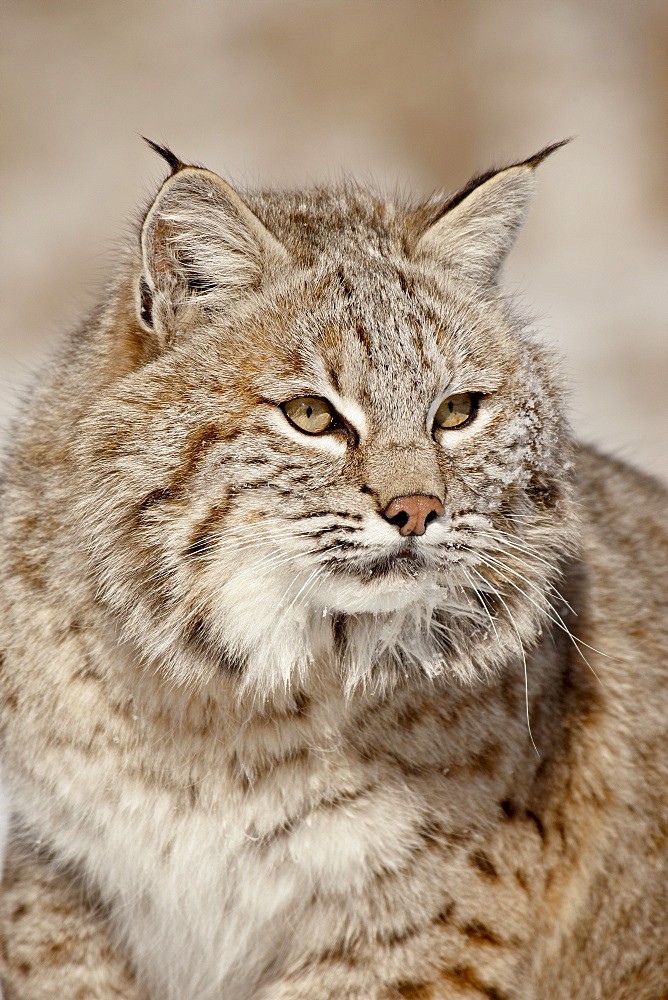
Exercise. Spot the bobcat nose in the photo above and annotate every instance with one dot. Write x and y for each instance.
(412, 514)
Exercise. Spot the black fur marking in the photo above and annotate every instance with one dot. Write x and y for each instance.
(161, 495)
(484, 864)
(319, 532)
(443, 917)
(363, 335)
(405, 283)
(201, 285)
(400, 937)
(171, 158)
(466, 979)
(340, 545)
(476, 182)
(479, 932)
(536, 820)
(200, 547)
(146, 303)
(196, 635)
(543, 154)
(508, 808)
(344, 283)
(543, 492)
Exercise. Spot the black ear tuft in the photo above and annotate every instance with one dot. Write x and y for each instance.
(544, 153)
(171, 158)
(476, 182)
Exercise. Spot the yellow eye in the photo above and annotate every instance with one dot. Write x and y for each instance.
(455, 410)
(309, 413)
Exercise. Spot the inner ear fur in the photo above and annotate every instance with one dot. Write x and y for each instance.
(475, 229)
(200, 240)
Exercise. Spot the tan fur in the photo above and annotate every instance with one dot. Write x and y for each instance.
(260, 746)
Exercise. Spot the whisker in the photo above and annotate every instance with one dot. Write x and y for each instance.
(558, 621)
(524, 664)
(484, 605)
(273, 562)
(530, 565)
(513, 542)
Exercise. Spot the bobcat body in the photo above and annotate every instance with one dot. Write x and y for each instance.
(332, 667)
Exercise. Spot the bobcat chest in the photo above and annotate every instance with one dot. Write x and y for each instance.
(223, 889)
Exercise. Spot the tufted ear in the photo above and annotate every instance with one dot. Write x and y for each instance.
(200, 241)
(473, 232)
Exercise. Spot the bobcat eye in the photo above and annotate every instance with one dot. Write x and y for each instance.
(310, 414)
(456, 410)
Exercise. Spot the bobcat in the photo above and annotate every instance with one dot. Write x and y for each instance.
(333, 669)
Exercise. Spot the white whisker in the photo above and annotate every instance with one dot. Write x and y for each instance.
(524, 664)
(486, 609)
(558, 621)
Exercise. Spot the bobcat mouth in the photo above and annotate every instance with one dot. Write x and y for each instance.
(407, 562)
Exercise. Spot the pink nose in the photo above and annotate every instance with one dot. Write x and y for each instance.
(412, 514)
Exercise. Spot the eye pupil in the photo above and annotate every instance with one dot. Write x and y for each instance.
(456, 410)
(310, 414)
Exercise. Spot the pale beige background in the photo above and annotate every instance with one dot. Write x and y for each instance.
(419, 92)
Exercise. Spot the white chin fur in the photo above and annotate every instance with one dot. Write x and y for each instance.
(276, 619)
(376, 596)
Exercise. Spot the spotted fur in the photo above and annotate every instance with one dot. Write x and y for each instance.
(259, 745)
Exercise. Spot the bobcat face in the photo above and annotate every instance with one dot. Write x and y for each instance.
(345, 431)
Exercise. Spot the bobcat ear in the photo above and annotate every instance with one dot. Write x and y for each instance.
(476, 228)
(200, 241)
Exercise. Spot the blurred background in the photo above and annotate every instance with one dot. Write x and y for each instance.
(416, 93)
